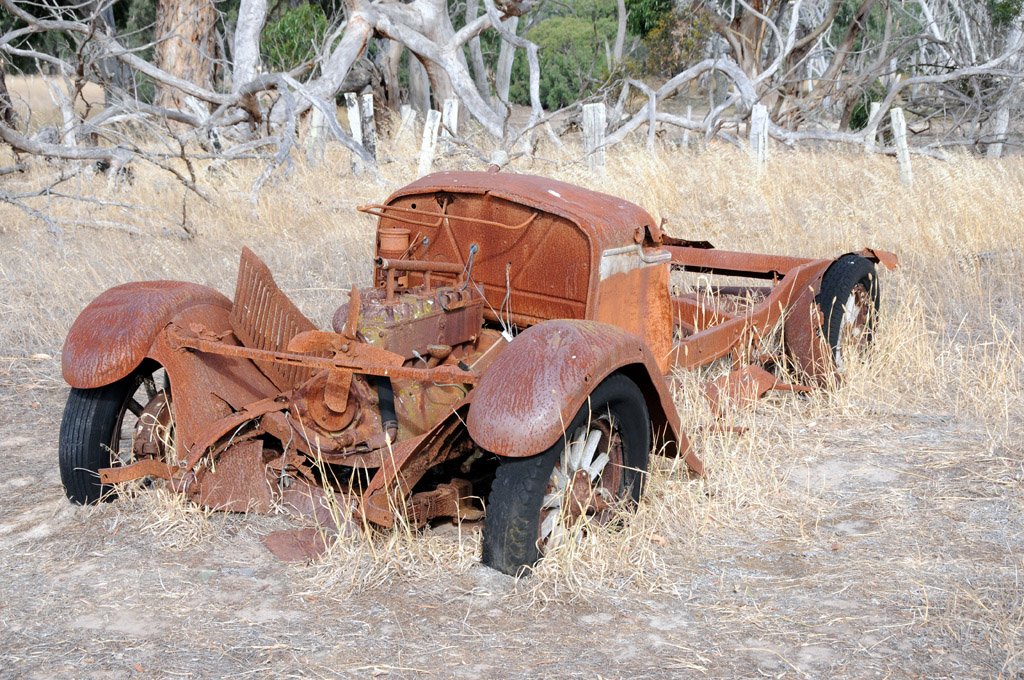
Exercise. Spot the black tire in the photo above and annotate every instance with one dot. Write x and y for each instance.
(851, 276)
(512, 526)
(92, 436)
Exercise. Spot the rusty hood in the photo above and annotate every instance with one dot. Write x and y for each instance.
(608, 221)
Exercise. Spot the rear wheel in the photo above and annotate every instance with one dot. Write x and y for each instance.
(586, 476)
(106, 426)
(849, 301)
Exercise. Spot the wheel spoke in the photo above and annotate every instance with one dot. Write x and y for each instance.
(135, 407)
(551, 500)
(589, 449)
(549, 523)
(850, 310)
(572, 454)
(150, 386)
(597, 467)
(556, 536)
(560, 479)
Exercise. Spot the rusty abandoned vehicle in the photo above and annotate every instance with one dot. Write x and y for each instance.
(511, 361)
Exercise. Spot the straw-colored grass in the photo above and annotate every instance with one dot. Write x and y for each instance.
(888, 490)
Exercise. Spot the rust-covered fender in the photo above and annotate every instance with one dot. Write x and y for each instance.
(804, 341)
(128, 324)
(537, 384)
(114, 333)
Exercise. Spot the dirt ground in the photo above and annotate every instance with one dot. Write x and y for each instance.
(94, 593)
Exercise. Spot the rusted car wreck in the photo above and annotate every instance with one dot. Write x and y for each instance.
(512, 361)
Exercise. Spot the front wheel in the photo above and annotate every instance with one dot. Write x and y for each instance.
(598, 465)
(110, 425)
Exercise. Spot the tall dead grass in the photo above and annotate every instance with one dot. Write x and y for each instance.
(949, 346)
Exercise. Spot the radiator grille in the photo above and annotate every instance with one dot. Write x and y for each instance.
(263, 317)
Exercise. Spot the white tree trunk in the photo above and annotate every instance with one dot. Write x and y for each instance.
(503, 74)
(1001, 117)
(620, 33)
(246, 52)
(476, 54)
(419, 85)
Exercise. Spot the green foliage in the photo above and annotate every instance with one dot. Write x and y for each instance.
(57, 43)
(293, 39)
(1004, 11)
(677, 41)
(873, 30)
(860, 116)
(572, 54)
(647, 15)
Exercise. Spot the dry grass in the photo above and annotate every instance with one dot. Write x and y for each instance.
(887, 492)
(35, 98)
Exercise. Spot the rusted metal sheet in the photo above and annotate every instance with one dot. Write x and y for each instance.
(298, 545)
(743, 387)
(112, 335)
(238, 481)
(888, 260)
(804, 341)
(637, 300)
(263, 317)
(730, 263)
(608, 221)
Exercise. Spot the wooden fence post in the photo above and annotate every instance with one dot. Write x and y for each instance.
(450, 118)
(899, 133)
(367, 125)
(352, 104)
(689, 117)
(429, 141)
(408, 118)
(759, 134)
(872, 117)
(594, 122)
(317, 137)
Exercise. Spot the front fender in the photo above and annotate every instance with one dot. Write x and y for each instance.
(537, 384)
(113, 334)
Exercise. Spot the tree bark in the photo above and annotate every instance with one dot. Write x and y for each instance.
(419, 85)
(1000, 122)
(246, 51)
(187, 45)
(6, 108)
(503, 75)
(620, 34)
(389, 68)
(116, 76)
(476, 54)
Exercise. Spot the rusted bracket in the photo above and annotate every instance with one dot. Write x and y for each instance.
(187, 339)
(745, 386)
(144, 468)
(887, 259)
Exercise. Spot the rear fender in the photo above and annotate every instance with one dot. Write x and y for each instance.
(537, 384)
